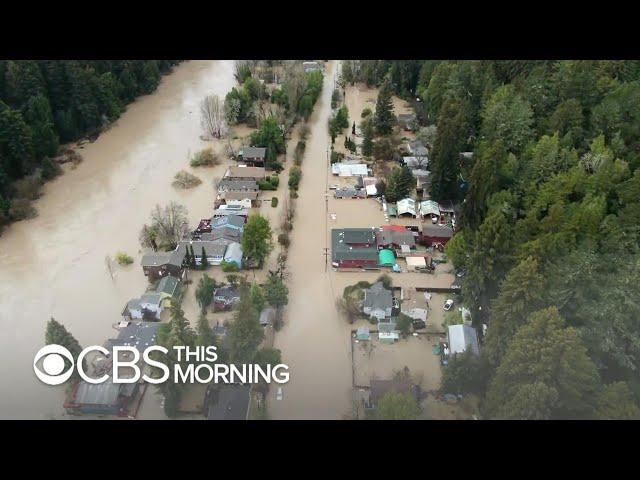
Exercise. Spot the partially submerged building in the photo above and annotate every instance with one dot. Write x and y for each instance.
(354, 248)
(463, 338)
(253, 156)
(377, 302)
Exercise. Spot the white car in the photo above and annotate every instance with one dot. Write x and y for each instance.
(448, 304)
(279, 394)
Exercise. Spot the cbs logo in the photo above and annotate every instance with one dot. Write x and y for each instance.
(53, 364)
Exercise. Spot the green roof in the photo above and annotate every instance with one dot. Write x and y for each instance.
(386, 257)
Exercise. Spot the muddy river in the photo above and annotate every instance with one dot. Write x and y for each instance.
(55, 264)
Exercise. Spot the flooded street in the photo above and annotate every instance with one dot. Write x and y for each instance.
(314, 340)
(54, 265)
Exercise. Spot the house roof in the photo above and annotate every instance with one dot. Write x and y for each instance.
(342, 248)
(213, 248)
(433, 230)
(378, 297)
(228, 292)
(357, 235)
(406, 205)
(253, 152)
(395, 237)
(348, 192)
(106, 393)
(386, 327)
(230, 402)
(429, 207)
(226, 210)
(239, 195)
(240, 172)
(155, 259)
(462, 337)
(153, 298)
(416, 261)
(386, 257)
(237, 185)
(169, 285)
(137, 334)
(418, 149)
(226, 234)
(349, 169)
(226, 221)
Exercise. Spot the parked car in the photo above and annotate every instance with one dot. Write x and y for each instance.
(419, 324)
(448, 304)
(461, 272)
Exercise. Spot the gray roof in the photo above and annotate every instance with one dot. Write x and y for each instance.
(220, 222)
(378, 297)
(98, 394)
(358, 235)
(267, 316)
(239, 195)
(230, 402)
(341, 250)
(138, 334)
(254, 152)
(156, 259)
(169, 285)
(213, 248)
(226, 234)
(237, 185)
(348, 192)
(237, 210)
(228, 292)
(434, 230)
(386, 327)
(388, 237)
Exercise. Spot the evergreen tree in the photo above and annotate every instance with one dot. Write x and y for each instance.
(256, 240)
(245, 333)
(39, 117)
(276, 292)
(545, 374)
(204, 262)
(368, 134)
(384, 119)
(57, 334)
(205, 336)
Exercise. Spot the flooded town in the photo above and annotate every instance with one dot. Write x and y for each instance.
(337, 227)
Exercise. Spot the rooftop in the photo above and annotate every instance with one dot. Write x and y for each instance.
(245, 172)
(378, 297)
(253, 152)
(230, 402)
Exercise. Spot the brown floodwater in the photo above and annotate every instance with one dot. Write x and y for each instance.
(54, 265)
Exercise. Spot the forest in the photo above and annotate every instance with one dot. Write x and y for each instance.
(45, 104)
(549, 225)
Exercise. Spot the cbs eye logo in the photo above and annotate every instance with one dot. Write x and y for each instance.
(53, 364)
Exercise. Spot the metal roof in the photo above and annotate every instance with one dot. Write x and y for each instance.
(461, 337)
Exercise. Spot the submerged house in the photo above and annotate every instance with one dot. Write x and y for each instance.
(354, 248)
(214, 250)
(245, 173)
(387, 332)
(406, 206)
(253, 156)
(395, 238)
(349, 192)
(232, 221)
(228, 185)
(433, 234)
(378, 302)
(228, 402)
(106, 398)
(242, 199)
(148, 307)
(159, 264)
(225, 297)
(347, 169)
(463, 337)
(226, 210)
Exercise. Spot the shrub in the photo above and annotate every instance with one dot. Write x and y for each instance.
(28, 187)
(274, 202)
(299, 152)
(336, 157)
(50, 169)
(124, 259)
(366, 112)
(284, 240)
(229, 266)
(21, 209)
(266, 185)
(205, 158)
(275, 181)
(184, 179)
(295, 174)
(304, 132)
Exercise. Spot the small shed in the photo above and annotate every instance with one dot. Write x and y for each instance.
(414, 263)
(234, 254)
(363, 334)
(386, 258)
(462, 337)
(387, 332)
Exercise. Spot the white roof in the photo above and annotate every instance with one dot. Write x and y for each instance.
(406, 205)
(349, 169)
(371, 190)
(461, 337)
(416, 261)
(429, 207)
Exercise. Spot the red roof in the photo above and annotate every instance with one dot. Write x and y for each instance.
(395, 228)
